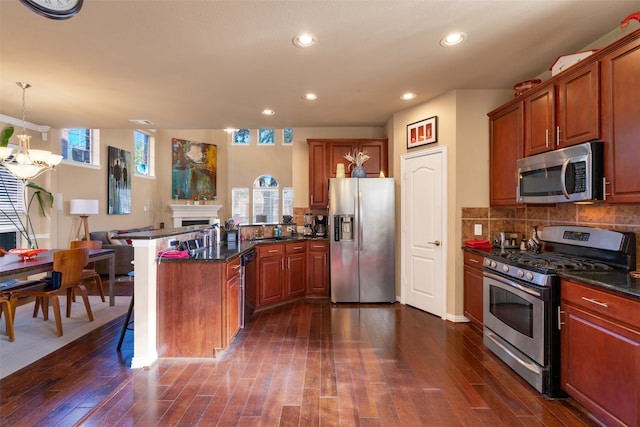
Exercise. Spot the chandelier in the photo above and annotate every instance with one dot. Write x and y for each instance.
(26, 163)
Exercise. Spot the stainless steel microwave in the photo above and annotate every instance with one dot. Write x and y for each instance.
(571, 174)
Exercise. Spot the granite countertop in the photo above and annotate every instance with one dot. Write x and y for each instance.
(617, 280)
(225, 252)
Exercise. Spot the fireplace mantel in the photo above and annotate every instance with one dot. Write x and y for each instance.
(194, 213)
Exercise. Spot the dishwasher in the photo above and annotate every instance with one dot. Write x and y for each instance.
(247, 282)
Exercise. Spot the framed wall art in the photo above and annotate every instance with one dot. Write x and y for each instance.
(194, 170)
(422, 132)
(119, 181)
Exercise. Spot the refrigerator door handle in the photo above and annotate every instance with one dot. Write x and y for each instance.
(360, 237)
(356, 220)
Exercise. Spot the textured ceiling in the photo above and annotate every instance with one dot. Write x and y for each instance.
(202, 64)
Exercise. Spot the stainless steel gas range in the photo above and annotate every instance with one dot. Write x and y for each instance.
(522, 296)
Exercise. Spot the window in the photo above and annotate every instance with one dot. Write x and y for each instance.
(266, 137)
(287, 201)
(11, 205)
(266, 203)
(143, 153)
(81, 145)
(266, 198)
(287, 136)
(240, 205)
(242, 137)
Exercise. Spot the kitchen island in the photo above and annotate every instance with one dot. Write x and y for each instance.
(203, 300)
(146, 245)
(200, 300)
(189, 307)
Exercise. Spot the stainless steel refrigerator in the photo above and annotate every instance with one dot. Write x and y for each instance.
(362, 239)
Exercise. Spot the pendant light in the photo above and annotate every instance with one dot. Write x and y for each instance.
(25, 163)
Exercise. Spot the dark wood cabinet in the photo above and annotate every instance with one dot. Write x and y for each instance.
(621, 121)
(473, 295)
(232, 300)
(197, 308)
(539, 120)
(318, 267)
(282, 272)
(578, 105)
(318, 184)
(600, 354)
(325, 154)
(296, 269)
(270, 274)
(505, 148)
(564, 112)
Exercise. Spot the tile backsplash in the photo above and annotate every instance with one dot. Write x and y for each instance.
(521, 219)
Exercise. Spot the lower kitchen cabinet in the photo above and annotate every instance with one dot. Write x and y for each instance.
(296, 269)
(291, 270)
(270, 273)
(473, 288)
(232, 297)
(318, 267)
(600, 358)
(197, 308)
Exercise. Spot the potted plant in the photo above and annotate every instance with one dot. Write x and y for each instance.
(357, 158)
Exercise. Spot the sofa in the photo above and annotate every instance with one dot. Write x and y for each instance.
(123, 249)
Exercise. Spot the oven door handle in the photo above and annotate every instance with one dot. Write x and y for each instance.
(512, 284)
(530, 366)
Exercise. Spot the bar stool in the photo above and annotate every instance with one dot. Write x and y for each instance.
(128, 323)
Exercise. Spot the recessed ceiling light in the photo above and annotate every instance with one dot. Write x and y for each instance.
(407, 96)
(141, 122)
(304, 40)
(453, 39)
(268, 112)
(310, 96)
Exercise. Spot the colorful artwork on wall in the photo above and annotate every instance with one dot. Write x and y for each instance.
(119, 181)
(194, 170)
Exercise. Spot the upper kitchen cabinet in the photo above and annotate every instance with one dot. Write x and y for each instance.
(565, 112)
(578, 106)
(318, 174)
(539, 122)
(505, 148)
(620, 121)
(325, 154)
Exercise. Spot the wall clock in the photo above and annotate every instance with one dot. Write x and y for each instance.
(54, 9)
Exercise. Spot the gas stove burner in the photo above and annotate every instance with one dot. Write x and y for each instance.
(555, 261)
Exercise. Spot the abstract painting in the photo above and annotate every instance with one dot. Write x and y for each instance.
(194, 170)
(119, 181)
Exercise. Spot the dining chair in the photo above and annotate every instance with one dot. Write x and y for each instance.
(89, 271)
(69, 262)
(8, 315)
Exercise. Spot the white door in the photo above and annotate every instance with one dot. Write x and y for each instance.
(424, 229)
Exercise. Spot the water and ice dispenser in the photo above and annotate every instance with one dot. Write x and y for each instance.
(343, 227)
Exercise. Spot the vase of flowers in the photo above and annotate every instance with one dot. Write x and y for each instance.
(356, 159)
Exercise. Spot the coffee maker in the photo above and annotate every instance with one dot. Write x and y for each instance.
(308, 224)
(321, 225)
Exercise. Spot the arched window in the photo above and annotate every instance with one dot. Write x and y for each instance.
(266, 199)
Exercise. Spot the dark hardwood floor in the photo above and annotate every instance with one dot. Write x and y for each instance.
(302, 364)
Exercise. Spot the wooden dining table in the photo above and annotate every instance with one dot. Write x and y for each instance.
(13, 267)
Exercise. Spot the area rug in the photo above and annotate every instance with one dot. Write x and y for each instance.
(36, 338)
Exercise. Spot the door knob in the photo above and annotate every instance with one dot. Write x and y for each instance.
(437, 243)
